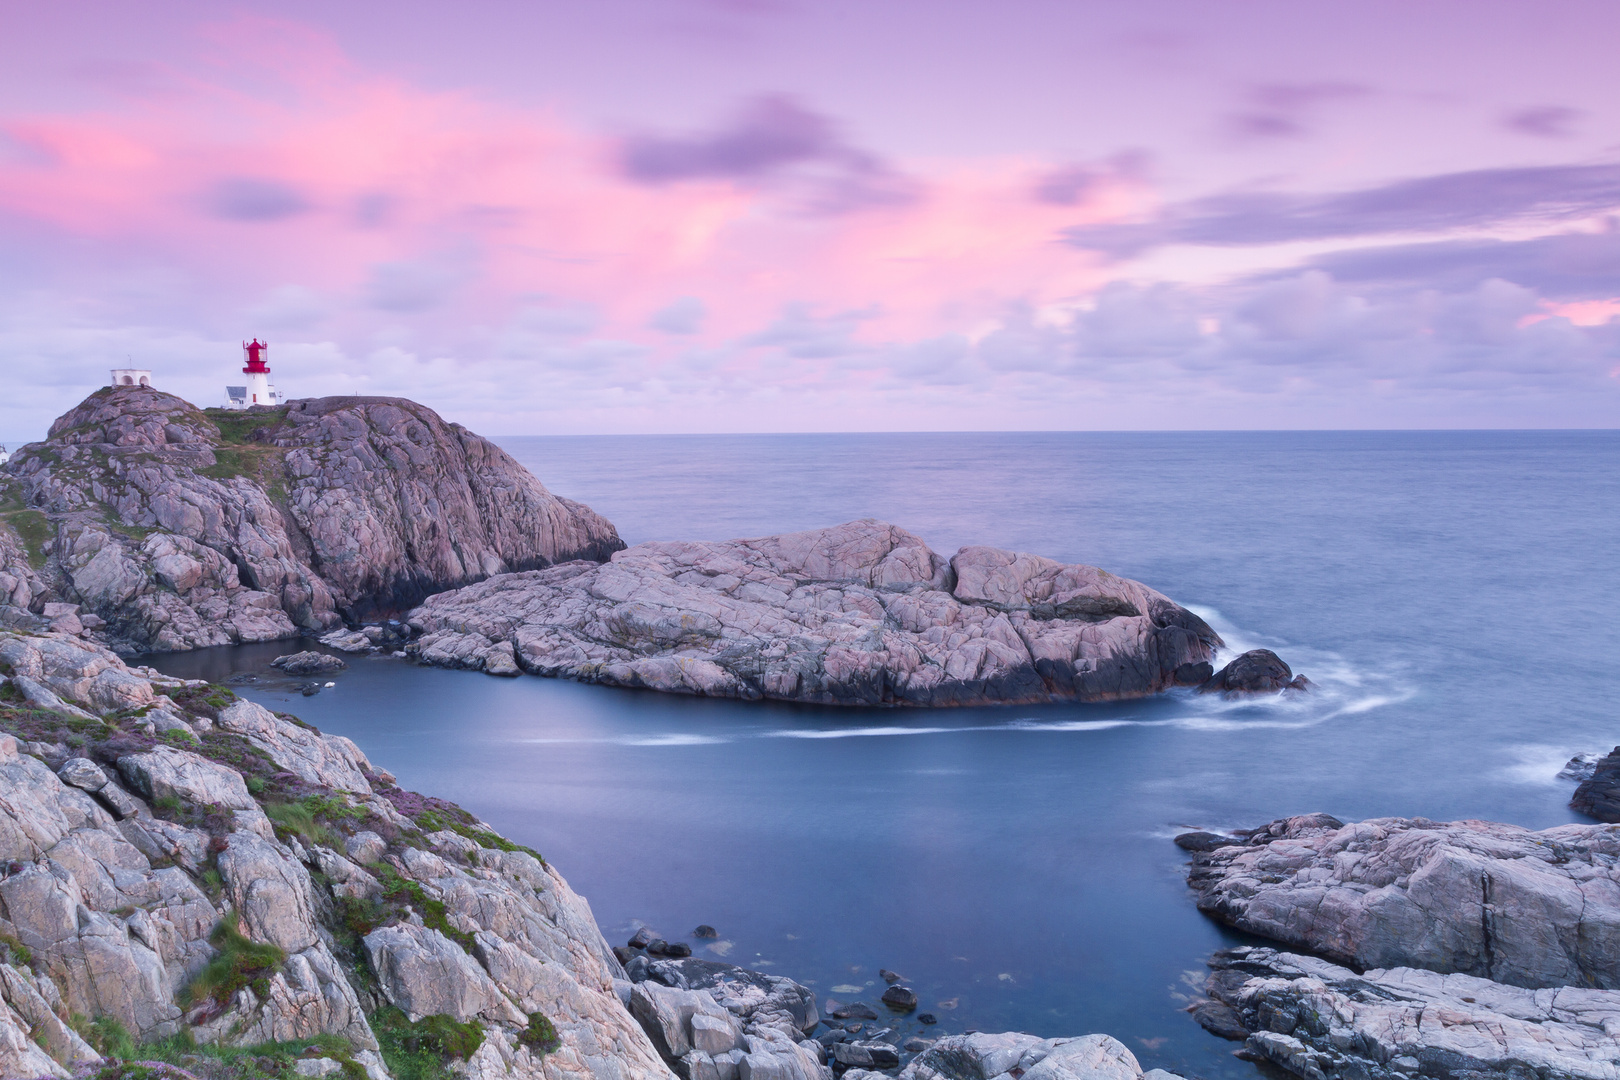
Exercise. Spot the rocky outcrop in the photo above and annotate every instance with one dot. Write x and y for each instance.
(1321, 1021)
(1599, 792)
(1529, 909)
(1258, 671)
(181, 529)
(1015, 1056)
(247, 879)
(860, 614)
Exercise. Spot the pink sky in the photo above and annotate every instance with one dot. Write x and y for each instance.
(746, 215)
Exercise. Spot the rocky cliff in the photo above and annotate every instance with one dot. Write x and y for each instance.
(860, 614)
(178, 528)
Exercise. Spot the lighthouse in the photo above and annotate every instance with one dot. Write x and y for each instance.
(259, 390)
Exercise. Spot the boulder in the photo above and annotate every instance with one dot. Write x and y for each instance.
(424, 973)
(327, 760)
(1525, 908)
(900, 998)
(1258, 671)
(980, 1056)
(83, 774)
(165, 772)
(308, 663)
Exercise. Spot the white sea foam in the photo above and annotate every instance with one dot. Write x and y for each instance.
(1536, 763)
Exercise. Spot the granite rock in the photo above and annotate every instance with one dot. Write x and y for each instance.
(1320, 1021)
(1520, 907)
(1598, 795)
(330, 507)
(859, 614)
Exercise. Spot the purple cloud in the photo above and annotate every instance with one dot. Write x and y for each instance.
(242, 198)
(1563, 266)
(1544, 121)
(1426, 204)
(1071, 185)
(772, 139)
(684, 316)
(1279, 110)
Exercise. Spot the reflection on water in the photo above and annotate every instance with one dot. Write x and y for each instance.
(1449, 594)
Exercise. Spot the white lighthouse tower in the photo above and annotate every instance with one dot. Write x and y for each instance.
(259, 390)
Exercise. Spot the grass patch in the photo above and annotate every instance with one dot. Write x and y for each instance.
(180, 737)
(16, 953)
(261, 1061)
(435, 916)
(312, 817)
(106, 1034)
(540, 1036)
(238, 427)
(423, 1050)
(240, 963)
(34, 530)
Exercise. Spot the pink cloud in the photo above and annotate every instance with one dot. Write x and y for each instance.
(284, 162)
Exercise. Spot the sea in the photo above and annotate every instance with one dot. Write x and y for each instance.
(1452, 595)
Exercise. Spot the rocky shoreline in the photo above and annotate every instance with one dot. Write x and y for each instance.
(194, 882)
(1454, 949)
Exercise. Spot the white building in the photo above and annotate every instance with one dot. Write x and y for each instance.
(4, 456)
(259, 389)
(130, 376)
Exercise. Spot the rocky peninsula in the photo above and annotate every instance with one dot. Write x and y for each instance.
(1454, 949)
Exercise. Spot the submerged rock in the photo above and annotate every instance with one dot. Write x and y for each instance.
(981, 1056)
(1525, 908)
(858, 614)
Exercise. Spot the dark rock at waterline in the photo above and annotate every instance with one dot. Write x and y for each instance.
(1194, 674)
(1204, 841)
(310, 689)
(900, 998)
(1599, 794)
(624, 955)
(890, 977)
(914, 1045)
(884, 1055)
(1219, 1018)
(642, 938)
(1258, 671)
(638, 968)
(705, 932)
(675, 949)
(927, 1018)
(855, 1010)
(308, 662)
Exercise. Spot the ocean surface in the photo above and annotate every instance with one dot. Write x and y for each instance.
(1453, 595)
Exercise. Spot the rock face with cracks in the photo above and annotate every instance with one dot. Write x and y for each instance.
(123, 856)
(1320, 1021)
(860, 614)
(177, 532)
(1519, 907)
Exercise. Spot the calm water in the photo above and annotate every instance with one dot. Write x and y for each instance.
(1453, 595)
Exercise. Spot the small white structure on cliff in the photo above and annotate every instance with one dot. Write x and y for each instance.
(131, 376)
(259, 389)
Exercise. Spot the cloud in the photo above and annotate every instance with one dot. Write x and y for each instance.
(242, 198)
(1479, 197)
(799, 333)
(771, 138)
(1281, 110)
(290, 307)
(411, 286)
(1563, 265)
(683, 316)
(1544, 121)
(1071, 185)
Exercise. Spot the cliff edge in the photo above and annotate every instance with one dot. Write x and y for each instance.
(174, 528)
